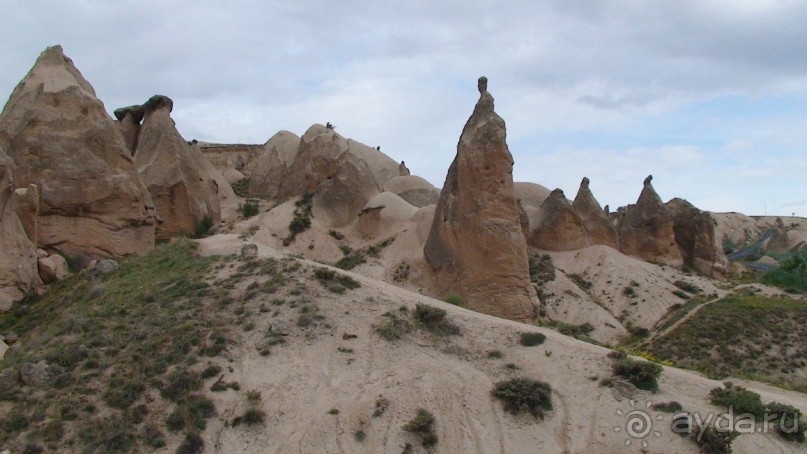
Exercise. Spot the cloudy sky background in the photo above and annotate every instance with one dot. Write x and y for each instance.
(709, 97)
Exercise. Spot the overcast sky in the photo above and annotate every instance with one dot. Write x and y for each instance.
(710, 97)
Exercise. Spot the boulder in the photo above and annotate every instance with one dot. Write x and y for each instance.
(413, 189)
(598, 226)
(646, 229)
(695, 233)
(26, 203)
(18, 272)
(92, 201)
(531, 196)
(177, 176)
(476, 248)
(102, 267)
(53, 268)
(272, 165)
(557, 227)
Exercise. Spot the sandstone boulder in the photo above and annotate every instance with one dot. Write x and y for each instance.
(53, 268)
(646, 229)
(91, 199)
(598, 226)
(176, 175)
(476, 248)
(18, 272)
(413, 189)
(557, 227)
(695, 233)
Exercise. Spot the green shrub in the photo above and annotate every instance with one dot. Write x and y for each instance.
(202, 227)
(180, 383)
(434, 319)
(496, 354)
(122, 392)
(712, 441)
(523, 394)
(456, 300)
(193, 444)
(393, 328)
(687, 287)
(250, 417)
(248, 209)
(531, 339)
(422, 425)
(240, 187)
(581, 282)
(792, 273)
(668, 407)
(740, 399)
(302, 218)
(359, 435)
(789, 424)
(642, 374)
(211, 371)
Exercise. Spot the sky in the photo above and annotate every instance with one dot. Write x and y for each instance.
(710, 97)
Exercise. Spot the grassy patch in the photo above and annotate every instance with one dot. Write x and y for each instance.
(742, 336)
(240, 187)
(434, 320)
(791, 276)
(248, 209)
(642, 374)
(334, 281)
(107, 342)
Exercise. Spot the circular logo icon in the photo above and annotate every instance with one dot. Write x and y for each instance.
(638, 423)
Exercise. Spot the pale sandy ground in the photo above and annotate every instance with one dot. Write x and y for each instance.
(451, 377)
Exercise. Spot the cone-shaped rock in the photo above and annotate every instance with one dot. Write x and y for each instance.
(557, 227)
(175, 174)
(599, 227)
(646, 229)
(476, 247)
(92, 201)
(695, 234)
(18, 270)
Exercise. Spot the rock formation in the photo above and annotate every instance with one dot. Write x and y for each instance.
(475, 247)
(646, 229)
(176, 175)
(413, 189)
(382, 166)
(557, 227)
(695, 234)
(323, 165)
(779, 242)
(26, 203)
(272, 165)
(403, 170)
(18, 272)
(92, 201)
(598, 226)
(129, 119)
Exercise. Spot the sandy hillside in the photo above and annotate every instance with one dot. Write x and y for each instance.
(322, 386)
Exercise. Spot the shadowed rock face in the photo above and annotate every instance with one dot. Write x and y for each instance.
(599, 227)
(558, 227)
(175, 174)
(272, 165)
(695, 234)
(646, 229)
(476, 247)
(18, 271)
(92, 201)
(129, 119)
